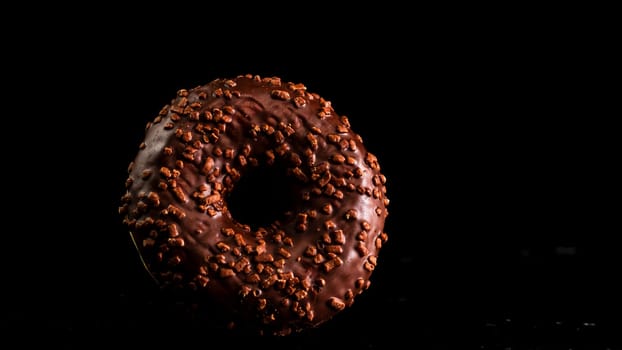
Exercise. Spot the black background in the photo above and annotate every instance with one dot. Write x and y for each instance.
(499, 166)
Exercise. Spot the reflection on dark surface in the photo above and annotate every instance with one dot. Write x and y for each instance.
(435, 290)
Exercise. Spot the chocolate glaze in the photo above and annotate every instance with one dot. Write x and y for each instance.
(293, 274)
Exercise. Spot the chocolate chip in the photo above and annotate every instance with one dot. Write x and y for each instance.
(179, 194)
(311, 251)
(280, 94)
(300, 102)
(361, 249)
(327, 209)
(224, 247)
(351, 214)
(336, 303)
(338, 158)
(226, 273)
(265, 257)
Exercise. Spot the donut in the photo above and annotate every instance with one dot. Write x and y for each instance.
(292, 272)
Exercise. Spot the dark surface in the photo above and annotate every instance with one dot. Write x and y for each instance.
(500, 174)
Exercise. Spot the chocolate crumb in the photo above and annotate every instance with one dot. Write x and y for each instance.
(336, 303)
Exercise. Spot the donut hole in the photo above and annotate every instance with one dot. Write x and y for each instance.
(262, 196)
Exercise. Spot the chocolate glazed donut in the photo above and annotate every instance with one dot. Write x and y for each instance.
(302, 268)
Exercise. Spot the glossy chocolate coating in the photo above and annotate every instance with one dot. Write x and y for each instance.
(292, 274)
